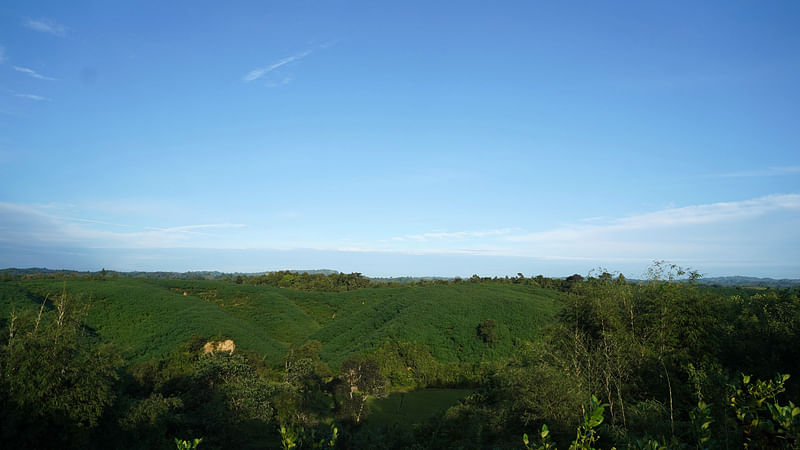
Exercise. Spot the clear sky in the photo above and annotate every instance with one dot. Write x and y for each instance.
(401, 138)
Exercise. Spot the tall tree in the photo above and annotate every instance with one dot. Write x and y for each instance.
(359, 379)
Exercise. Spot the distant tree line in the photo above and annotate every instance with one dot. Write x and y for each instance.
(347, 282)
(324, 280)
(309, 281)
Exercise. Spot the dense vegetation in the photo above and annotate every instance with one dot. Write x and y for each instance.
(101, 361)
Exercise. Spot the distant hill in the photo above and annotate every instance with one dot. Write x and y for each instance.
(195, 275)
(750, 281)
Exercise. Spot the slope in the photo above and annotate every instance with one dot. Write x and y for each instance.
(147, 318)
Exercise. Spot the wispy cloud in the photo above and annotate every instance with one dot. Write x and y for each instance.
(768, 172)
(742, 233)
(37, 98)
(2, 54)
(29, 225)
(329, 44)
(705, 234)
(283, 82)
(46, 26)
(98, 222)
(258, 73)
(671, 217)
(455, 235)
(32, 73)
(192, 229)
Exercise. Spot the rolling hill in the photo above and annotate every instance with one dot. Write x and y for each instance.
(147, 318)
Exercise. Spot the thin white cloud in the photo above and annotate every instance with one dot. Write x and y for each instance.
(768, 172)
(283, 82)
(46, 26)
(97, 222)
(455, 235)
(739, 233)
(23, 224)
(258, 73)
(699, 234)
(32, 73)
(713, 212)
(672, 217)
(191, 229)
(35, 97)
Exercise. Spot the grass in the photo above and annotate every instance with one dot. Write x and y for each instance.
(411, 408)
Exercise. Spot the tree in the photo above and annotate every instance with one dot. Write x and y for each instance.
(359, 379)
(407, 365)
(302, 399)
(55, 383)
(572, 281)
(487, 330)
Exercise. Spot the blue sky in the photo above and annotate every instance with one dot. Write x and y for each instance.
(403, 138)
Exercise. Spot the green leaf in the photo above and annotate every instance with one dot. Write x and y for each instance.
(525, 439)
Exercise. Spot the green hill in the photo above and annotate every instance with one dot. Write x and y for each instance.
(445, 318)
(147, 318)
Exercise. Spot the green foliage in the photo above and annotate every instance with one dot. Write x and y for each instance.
(587, 436)
(701, 422)
(531, 389)
(443, 318)
(308, 438)
(229, 384)
(765, 423)
(545, 442)
(786, 421)
(146, 420)
(289, 437)
(487, 331)
(148, 318)
(187, 445)
(407, 365)
(763, 333)
(360, 379)
(334, 282)
(655, 354)
(302, 401)
(53, 375)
